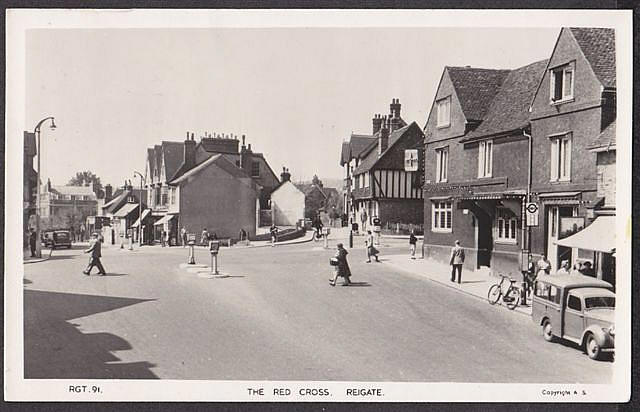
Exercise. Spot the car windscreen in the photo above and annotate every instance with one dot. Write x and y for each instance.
(61, 236)
(599, 302)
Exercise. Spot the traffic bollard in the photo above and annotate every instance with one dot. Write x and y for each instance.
(350, 239)
(192, 258)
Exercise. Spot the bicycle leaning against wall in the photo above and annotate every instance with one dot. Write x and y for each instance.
(507, 290)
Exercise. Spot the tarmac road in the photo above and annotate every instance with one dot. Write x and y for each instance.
(276, 318)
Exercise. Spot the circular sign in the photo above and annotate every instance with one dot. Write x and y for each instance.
(532, 208)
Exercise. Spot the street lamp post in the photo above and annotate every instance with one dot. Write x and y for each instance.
(36, 130)
(140, 205)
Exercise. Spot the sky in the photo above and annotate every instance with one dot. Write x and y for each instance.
(296, 93)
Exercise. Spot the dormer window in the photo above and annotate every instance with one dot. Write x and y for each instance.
(443, 109)
(562, 83)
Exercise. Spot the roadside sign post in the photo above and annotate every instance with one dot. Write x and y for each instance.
(191, 241)
(532, 210)
(214, 247)
(325, 232)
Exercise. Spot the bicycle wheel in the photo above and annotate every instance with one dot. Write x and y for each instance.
(494, 294)
(515, 298)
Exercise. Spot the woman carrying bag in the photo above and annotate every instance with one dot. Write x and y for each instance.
(339, 262)
(371, 250)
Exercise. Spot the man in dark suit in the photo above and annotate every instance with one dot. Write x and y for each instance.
(94, 248)
(456, 261)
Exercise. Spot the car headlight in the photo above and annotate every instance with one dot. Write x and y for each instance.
(611, 330)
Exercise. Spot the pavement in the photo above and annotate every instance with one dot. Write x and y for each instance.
(275, 317)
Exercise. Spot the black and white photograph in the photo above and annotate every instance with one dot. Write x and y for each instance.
(318, 205)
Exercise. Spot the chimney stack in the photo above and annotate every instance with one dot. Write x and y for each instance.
(108, 193)
(394, 109)
(377, 123)
(285, 176)
(189, 154)
(383, 139)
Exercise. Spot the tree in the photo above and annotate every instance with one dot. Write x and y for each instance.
(316, 181)
(87, 178)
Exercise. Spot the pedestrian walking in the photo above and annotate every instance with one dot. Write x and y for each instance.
(412, 244)
(204, 237)
(371, 249)
(274, 234)
(32, 241)
(456, 261)
(95, 247)
(339, 261)
(317, 225)
(183, 236)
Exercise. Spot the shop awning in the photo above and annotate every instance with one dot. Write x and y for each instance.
(494, 195)
(559, 198)
(144, 215)
(599, 236)
(125, 210)
(164, 220)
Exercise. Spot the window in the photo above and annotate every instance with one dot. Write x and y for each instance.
(554, 295)
(366, 179)
(506, 226)
(165, 195)
(443, 108)
(441, 217)
(561, 158)
(173, 195)
(485, 158)
(574, 303)
(442, 164)
(255, 169)
(562, 83)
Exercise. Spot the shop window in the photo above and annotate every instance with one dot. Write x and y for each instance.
(441, 220)
(506, 225)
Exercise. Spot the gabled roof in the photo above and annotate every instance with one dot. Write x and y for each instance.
(599, 48)
(157, 150)
(606, 139)
(345, 153)
(151, 160)
(360, 143)
(509, 109)
(219, 161)
(307, 188)
(372, 157)
(173, 157)
(475, 88)
(30, 144)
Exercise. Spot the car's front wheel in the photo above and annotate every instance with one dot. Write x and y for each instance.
(591, 347)
(547, 331)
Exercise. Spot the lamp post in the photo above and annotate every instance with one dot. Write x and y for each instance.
(36, 130)
(140, 205)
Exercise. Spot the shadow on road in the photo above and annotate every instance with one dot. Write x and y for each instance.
(55, 348)
(359, 284)
(60, 257)
(474, 281)
(605, 357)
(110, 274)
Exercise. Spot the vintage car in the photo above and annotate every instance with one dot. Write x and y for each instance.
(57, 238)
(577, 308)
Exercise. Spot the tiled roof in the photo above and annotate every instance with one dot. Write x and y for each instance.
(345, 153)
(359, 143)
(173, 157)
(150, 159)
(157, 149)
(372, 157)
(220, 161)
(75, 190)
(476, 88)
(605, 139)
(30, 144)
(599, 47)
(509, 109)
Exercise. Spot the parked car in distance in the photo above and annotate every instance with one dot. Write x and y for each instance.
(577, 308)
(57, 238)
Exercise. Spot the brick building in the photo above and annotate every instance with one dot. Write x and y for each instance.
(496, 139)
(177, 192)
(377, 184)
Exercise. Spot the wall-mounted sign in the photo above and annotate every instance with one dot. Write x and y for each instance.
(532, 210)
(411, 160)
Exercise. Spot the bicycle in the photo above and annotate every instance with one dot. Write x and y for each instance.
(510, 293)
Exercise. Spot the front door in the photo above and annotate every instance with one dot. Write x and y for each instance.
(484, 236)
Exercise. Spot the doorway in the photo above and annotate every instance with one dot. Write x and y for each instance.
(556, 254)
(484, 239)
